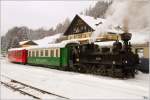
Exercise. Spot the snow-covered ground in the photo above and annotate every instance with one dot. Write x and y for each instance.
(78, 86)
(8, 94)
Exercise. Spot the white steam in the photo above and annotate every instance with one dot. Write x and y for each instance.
(130, 15)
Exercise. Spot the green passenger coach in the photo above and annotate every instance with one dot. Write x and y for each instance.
(54, 56)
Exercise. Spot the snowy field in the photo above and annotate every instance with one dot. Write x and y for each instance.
(75, 85)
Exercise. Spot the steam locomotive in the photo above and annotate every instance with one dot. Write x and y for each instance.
(120, 62)
(85, 58)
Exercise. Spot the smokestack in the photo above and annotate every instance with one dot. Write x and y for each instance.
(125, 25)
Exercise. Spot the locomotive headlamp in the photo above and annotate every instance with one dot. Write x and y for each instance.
(113, 62)
(77, 59)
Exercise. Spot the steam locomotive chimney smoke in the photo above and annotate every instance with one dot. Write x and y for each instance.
(131, 15)
(125, 23)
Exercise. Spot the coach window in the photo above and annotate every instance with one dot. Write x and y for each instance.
(56, 52)
(41, 53)
(46, 53)
(52, 53)
(49, 53)
(37, 53)
(33, 54)
(29, 53)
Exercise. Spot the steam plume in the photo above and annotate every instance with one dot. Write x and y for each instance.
(130, 15)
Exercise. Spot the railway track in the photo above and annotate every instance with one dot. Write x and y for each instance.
(28, 89)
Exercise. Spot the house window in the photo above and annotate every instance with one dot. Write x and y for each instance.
(87, 35)
(140, 52)
(79, 35)
(72, 36)
(76, 36)
(83, 35)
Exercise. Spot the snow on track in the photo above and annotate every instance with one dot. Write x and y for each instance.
(28, 90)
(76, 85)
(7, 94)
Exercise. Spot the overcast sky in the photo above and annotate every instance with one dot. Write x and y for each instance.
(36, 14)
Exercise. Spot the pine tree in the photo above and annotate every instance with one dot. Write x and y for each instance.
(15, 42)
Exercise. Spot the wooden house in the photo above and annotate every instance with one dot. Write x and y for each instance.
(81, 29)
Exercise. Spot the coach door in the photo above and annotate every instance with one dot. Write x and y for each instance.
(73, 53)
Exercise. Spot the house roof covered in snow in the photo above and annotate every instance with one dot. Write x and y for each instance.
(79, 23)
(28, 42)
(91, 21)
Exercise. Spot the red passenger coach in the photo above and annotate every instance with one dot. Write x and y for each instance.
(17, 55)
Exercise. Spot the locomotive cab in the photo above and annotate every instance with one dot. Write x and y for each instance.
(117, 46)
